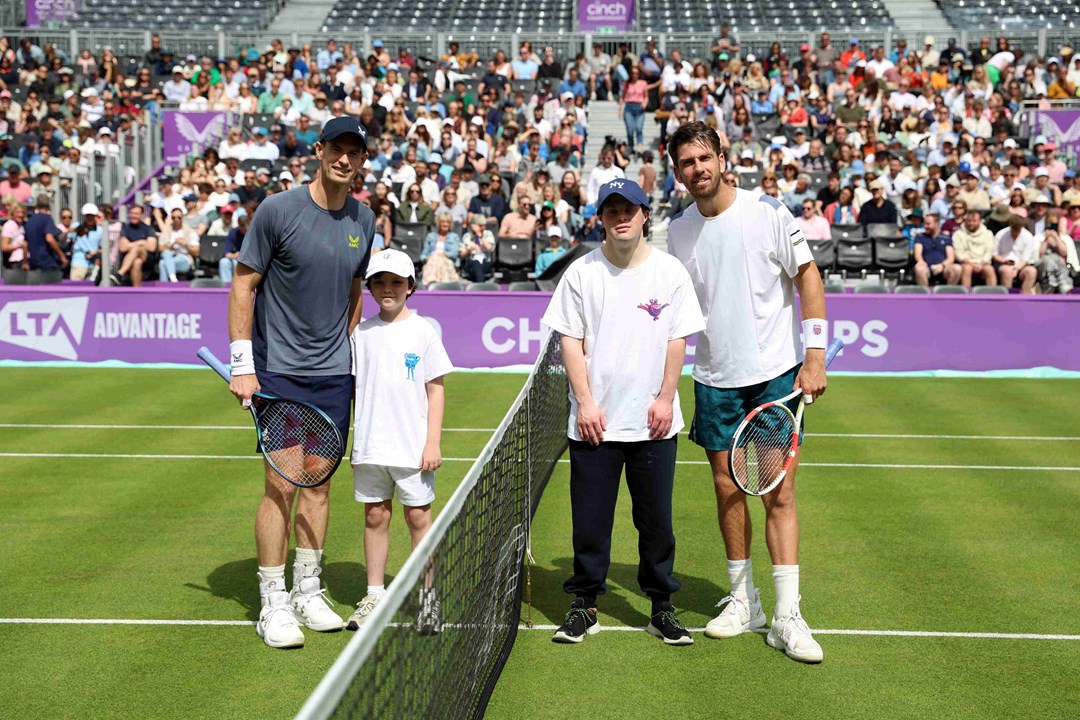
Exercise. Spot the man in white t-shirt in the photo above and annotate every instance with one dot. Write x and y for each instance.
(605, 171)
(624, 312)
(746, 255)
(399, 363)
(1016, 253)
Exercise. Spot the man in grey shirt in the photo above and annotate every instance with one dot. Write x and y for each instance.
(295, 299)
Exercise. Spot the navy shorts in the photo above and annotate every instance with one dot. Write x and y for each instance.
(718, 411)
(333, 394)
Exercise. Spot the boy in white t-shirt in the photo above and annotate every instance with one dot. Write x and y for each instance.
(399, 363)
(624, 311)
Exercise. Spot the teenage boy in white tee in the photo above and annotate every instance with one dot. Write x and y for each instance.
(399, 362)
(624, 311)
(746, 255)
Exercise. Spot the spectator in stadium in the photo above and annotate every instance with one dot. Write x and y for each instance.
(935, 259)
(451, 205)
(15, 186)
(250, 190)
(138, 246)
(525, 67)
(1015, 255)
(604, 172)
(552, 252)
(179, 246)
(521, 223)
(413, 209)
(261, 148)
(44, 184)
(879, 209)
(233, 242)
(1038, 219)
(177, 89)
(632, 103)
(1057, 254)
(799, 194)
(974, 246)
(477, 250)
(487, 204)
(13, 235)
(233, 145)
(1041, 186)
(85, 239)
(843, 211)
(441, 252)
(813, 225)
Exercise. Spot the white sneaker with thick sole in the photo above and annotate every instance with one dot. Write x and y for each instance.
(792, 635)
(277, 626)
(739, 614)
(364, 608)
(309, 604)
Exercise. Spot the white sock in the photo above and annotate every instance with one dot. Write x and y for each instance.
(741, 575)
(786, 582)
(306, 564)
(268, 575)
(379, 590)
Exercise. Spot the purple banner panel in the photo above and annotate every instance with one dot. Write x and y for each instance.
(882, 333)
(186, 130)
(49, 12)
(605, 15)
(1061, 127)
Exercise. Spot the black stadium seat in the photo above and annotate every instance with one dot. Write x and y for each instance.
(891, 253)
(409, 238)
(512, 252)
(824, 253)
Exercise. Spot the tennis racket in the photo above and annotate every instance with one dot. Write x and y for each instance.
(765, 445)
(299, 441)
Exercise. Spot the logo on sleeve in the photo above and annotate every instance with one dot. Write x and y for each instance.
(654, 308)
(354, 241)
(411, 361)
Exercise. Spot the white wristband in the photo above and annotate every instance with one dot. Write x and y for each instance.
(243, 360)
(815, 333)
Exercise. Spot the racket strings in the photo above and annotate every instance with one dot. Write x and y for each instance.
(301, 442)
(761, 450)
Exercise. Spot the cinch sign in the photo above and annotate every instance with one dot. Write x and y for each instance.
(608, 15)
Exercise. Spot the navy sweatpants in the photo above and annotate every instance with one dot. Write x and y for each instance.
(595, 473)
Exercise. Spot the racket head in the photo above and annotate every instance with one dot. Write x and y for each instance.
(763, 448)
(299, 441)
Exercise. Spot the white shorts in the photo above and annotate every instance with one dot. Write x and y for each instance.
(376, 483)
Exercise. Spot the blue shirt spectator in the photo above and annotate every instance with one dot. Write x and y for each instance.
(41, 234)
(328, 56)
(933, 247)
(491, 206)
(762, 107)
(577, 88)
(525, 69)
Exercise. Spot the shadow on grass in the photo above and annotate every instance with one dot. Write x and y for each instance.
(697, 594)
(237, 582)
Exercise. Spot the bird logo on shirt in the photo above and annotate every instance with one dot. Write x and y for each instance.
(411, 361)
(354, 241)
(654, 308)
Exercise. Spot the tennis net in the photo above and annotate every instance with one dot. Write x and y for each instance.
(401, 663)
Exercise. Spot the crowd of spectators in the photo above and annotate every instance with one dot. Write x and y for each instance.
(473, 149)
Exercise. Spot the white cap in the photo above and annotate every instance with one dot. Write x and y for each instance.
(929, 40)
(286, 175)
(1018, 186)
(779, 140)
(1041, 199)
(554, 231)
(747, 154)
(1009, 143)
(89, 209)
(88, 92)
(105, 130)
(178, 68)
(567, 96)
(477, 120)
(751, 58)
(391, 261)
(1041, 172)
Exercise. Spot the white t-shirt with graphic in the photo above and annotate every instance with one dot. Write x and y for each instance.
(393, 362)
(742, 263)
(626, 318)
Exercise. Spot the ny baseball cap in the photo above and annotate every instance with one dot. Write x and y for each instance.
(627, 189)
(343, 126)
(391, 261)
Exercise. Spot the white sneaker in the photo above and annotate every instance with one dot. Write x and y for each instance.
(277, 626)
(364, 608)
(792, 635)
(309, 605)
(739, 614)
(428, 620)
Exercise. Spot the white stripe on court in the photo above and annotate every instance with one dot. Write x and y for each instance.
(885, 466)
(880, 436)
(552, 628)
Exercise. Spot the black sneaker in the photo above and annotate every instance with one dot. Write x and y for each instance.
(580, 621)
(427, 619)
(667, 626)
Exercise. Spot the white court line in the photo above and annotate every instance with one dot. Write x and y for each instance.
(551, 628)
(889, 436)
(887, 466)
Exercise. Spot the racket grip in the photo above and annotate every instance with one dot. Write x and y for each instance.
(834, 347)
(216, 365)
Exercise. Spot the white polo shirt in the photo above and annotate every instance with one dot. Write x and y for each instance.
(741, 263)
(393, 362)
(626, 318)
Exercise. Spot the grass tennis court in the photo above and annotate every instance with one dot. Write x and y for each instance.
(942, 547)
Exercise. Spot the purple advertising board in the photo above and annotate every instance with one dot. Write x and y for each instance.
(1061, 127)
(45, 12)
(185, 130)
(605, 15)
(480, 330)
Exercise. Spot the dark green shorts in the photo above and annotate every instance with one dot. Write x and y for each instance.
(718, 411)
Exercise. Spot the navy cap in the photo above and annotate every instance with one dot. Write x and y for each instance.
(343, 126)
(627, 189)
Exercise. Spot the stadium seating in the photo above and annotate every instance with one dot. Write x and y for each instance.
(482, 15)
(483, 287)
(789, 15)
(950, 290)
(197, 15)
(990, 290)
(446, 286)
(513, 252)
(871, 289)
(912, 290)
(997, 15)
(824, 253)
(522, 286)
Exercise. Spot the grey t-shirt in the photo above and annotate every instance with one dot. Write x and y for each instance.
(308, 258)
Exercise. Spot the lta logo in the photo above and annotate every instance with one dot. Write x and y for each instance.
(53, 326)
